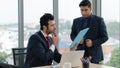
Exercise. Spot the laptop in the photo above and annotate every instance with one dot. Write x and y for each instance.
(72, 57)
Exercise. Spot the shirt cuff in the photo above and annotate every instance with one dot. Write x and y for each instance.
(52, 47)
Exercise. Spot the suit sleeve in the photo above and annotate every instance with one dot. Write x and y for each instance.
(57, 56)
(37, 49)
(73, 32)
(103, 36)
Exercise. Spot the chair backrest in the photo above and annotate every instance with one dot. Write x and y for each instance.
(19, 55)
(4, 65)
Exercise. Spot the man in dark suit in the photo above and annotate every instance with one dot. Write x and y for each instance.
(41, 49)
(95, 36)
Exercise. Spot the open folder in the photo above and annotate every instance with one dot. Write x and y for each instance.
(79, 37)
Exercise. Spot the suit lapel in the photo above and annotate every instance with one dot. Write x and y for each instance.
(42, 38)
(79, 25)
(92, 22)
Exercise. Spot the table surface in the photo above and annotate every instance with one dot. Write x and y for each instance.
(91, 66)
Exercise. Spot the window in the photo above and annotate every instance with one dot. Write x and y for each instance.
(33, 10)
(68, 10)
(111, 13)
(8, 29)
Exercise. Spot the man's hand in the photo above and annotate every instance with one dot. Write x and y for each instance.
(74, 47)
(82, 41)
(88, 42)
(55, 39)
(90, 57)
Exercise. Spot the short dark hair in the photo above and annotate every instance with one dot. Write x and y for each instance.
(85, 3)
(44, 20)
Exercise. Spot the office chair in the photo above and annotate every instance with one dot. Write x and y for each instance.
(19, 55)
(4, 65)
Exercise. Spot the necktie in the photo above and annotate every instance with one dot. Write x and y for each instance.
(48, 41)
(85, 24)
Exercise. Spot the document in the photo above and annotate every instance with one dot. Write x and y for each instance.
(79, 37)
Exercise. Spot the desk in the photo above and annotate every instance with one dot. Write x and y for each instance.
(91, 66)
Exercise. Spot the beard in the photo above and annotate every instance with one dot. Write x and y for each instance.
(50, 31)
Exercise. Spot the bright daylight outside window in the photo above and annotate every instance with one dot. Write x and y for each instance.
(111, 15)
(8, 29)
(33, 10)
(68, 10)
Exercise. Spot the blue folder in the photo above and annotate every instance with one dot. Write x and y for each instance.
(79, 37)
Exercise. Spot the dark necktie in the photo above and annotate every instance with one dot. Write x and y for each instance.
(48, 41)
(85, 23)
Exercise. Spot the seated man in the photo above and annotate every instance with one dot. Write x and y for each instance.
(41, 49)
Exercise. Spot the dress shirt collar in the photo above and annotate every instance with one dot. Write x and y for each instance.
(43, 34)
(88, 17)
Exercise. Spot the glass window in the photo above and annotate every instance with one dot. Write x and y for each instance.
(8, 29)
(68, 10)
(33, 10)
(111, 13)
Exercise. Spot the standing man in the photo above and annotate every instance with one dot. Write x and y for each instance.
(95, 36)
(41, 49)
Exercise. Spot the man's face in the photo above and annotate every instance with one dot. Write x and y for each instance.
(85, 11)
(51, 26)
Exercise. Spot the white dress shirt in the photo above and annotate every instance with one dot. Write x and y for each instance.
(52, 47)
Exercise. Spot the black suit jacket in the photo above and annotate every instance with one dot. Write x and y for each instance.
(38, 53)
(97, 33)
